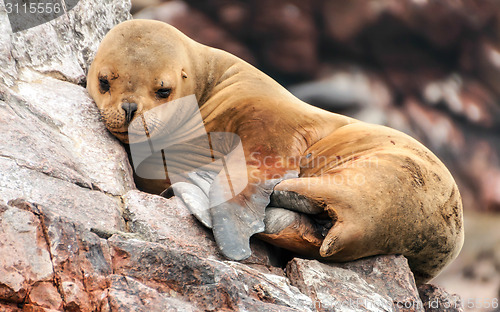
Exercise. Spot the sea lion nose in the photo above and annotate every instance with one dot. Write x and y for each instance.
(130, 109)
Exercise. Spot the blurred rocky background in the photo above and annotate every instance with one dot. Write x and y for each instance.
(430, 68)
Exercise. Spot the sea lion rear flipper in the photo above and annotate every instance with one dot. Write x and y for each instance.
(236, 220)
(233, 226)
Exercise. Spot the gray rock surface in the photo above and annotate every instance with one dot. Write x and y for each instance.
(381, 283)
(75, 234)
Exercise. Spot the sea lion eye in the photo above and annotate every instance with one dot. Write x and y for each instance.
(104, 85)
(163, 93)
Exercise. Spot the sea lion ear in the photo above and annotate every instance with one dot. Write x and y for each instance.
(184, 75)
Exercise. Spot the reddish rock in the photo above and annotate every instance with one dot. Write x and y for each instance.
(10, 307)
(436, 128)
(80, 262)
(286, 32)
(34, 308)
(197, 26)
(344, 20)
(77, 297)
(25, 259)
(208, 283)
(93, 274)
(467, 99)
(436, 298)
(45, 295)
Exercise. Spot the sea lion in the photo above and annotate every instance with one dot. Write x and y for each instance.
(317, 183)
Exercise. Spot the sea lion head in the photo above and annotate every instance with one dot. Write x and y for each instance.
(139, 65)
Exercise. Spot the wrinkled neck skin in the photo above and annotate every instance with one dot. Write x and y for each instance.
(233, 96)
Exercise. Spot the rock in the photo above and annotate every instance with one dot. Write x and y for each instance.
(80, 261)
(343, 21)
(87, 273)
(282, 34)
(62, 197)
(24, 254)
(435, 298)
(68, 42)
(436, 128)
(52, 139)
(197, 26)
(79, 121)
(8, 72)
(166, 221)
(50, 150)
(125, 292)
(441, 23)
(357, 286)
(488, 63)
(206, 282)
(468, 99)
(9, 307)
(484, 169)
(45, 295)
(287, 34)
(350, 91)
(83, 267)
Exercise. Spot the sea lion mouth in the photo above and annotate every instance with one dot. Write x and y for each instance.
(127, 136)
(119, 132)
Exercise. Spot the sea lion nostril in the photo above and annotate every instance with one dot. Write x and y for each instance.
(130, 109)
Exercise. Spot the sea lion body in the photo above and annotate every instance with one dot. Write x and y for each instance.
(359, 189)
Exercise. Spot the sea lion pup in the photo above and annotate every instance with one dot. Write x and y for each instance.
(317, 183)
